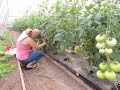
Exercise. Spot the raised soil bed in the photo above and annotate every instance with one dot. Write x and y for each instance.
(77, 65)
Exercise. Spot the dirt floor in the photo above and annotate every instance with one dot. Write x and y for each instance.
(11, 81)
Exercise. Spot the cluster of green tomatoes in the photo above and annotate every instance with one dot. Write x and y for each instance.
(106, 3)
(107, 69)
(105, 44)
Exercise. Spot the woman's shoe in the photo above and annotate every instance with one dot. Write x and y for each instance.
(31, 67)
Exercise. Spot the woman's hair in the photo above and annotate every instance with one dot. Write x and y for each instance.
(35, 33)
(38, 33)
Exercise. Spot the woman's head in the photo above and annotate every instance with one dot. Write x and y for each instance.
(36, 33)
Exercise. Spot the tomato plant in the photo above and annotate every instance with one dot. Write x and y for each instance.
(69, 23)
(110, 68)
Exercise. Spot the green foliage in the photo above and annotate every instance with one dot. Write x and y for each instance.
(24, 22)
(6, 36)
(6, 41)
(5, 58)
(68, 23)
(5, 69)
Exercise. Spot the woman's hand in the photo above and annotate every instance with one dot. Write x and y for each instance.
(45, 36)
(44, 43)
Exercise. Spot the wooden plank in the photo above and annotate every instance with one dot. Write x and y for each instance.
(21, 76)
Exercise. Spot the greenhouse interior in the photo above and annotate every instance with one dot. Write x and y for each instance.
(59, 44)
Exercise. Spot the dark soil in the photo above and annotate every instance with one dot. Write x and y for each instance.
(81, 66)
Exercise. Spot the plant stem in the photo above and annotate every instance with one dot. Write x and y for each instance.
(108, 21)
(108, 58)
(115, 84)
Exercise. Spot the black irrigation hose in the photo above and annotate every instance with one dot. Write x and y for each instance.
(92, 85)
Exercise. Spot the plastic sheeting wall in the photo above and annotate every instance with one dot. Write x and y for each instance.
(4, 15)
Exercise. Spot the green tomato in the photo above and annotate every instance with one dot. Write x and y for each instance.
(102, 51)
(103, 37)
(110, 63)
(77, 49)
(103, 66)
(112, 4)
(104, 3)
(100, 45)
(89, 17)
(108, 51)
(100, 37)
(110, 75)
(76, 52)
(115, 66)
(97, 38)
(100, 74)
(112, 42)
(102, 8)
(115, 61)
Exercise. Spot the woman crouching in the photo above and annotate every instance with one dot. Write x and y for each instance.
(25, 42)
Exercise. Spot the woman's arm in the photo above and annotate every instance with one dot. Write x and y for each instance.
(32, 43)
